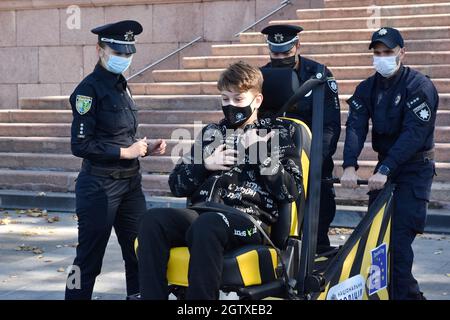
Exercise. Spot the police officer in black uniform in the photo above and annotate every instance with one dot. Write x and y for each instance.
(402, 104)
(284, 45)
(108, 188)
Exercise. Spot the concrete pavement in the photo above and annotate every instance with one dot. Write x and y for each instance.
(35, 253)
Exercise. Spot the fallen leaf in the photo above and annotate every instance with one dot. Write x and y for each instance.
(30, 233)
(5, 221)
(36, 213)
(53, 219)
(38, 251)
(47, 261)
(35, 250)
(61, 270)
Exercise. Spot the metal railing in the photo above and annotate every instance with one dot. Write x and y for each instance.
(139, 73)
(282, 5)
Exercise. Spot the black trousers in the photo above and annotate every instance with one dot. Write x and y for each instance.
(208, 236)
(410, 200)
(101, 204)
(327, 205)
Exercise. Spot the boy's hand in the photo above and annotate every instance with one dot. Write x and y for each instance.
(221, 159)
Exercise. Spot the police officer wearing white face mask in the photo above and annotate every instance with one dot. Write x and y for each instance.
(108, 189)
(402, 104)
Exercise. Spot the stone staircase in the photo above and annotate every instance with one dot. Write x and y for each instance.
(35, 143)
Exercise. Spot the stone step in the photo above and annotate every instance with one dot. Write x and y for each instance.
(185, 102)
(144, 116)
(354, 3)
(366, 169)
(33, 180)
(368, 11)
(54, 145)
(340, 73)
(151, 116)
(172, 102)
(154, 131)
(153, 184)
(330, 47)
(61, 145)
(442, 151)
(159, 164)
(432, 20)
(410, 33)
(210, 88)
(331, 60)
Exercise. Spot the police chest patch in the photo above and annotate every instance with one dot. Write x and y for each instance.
(83, 104)
(333, 85)
(423, 112)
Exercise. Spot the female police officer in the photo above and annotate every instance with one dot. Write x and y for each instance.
(108, 188)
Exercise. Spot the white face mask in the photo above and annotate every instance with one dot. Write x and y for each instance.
(386, 66)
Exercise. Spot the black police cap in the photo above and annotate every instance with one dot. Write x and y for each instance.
(281, 37)
(119, 36)
(391, 37)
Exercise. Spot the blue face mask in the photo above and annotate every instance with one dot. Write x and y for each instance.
(116, 64)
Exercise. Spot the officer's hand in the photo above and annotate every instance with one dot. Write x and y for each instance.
(349, 179)
(377, 181)
(156, 148)
(136, 150)
(221, 159)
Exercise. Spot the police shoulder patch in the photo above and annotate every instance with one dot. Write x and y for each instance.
(419, 106)
(423, 112)
(83, 104)
(332, 84)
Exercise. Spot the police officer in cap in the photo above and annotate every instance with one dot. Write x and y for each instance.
(284, 45)
(402, 104)
(108, 188)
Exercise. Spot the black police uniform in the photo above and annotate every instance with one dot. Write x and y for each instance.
(281, 38)
(403, 112)
(252, 188)
(108, 189)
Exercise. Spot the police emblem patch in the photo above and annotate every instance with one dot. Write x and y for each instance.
(333, 85)
(382, 32)
(129, 36)
(423, 112)
(278, 37)
(83, 104)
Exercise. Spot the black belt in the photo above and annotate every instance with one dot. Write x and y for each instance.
(110, 173)
(418, 157)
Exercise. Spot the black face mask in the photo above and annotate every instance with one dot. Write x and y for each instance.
(288, 62)
(236, 116)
